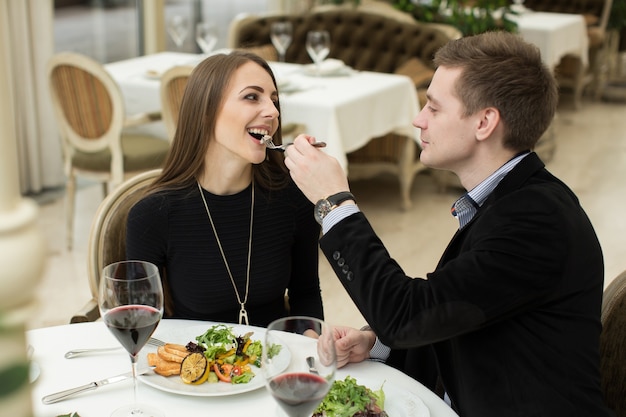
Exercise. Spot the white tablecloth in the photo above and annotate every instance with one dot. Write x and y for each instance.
(58, 373)
(345, 111)
(556, 35)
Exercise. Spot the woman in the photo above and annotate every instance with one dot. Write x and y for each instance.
(225, 224)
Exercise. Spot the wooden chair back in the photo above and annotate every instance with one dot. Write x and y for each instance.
(91, 118)
(173, 83)
(90, 112)
(613, 345)
(107, 238)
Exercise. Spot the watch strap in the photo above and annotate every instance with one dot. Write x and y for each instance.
(326, 205)
(340, 197)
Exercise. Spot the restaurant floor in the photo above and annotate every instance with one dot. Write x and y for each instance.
(590, 157)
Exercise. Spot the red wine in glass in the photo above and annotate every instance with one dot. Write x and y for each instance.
(132, 325)
(298, 393)
(290, 345)
(130, 299)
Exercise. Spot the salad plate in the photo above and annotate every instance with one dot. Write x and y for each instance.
(398, 401)
(175, 385)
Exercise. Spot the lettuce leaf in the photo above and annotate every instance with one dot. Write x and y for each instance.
(217, 339)
(346, 398)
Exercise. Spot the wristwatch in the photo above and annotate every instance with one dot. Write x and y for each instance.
(326, 205)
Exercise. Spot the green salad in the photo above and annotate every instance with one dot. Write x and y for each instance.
(229, 356)
(346, 398)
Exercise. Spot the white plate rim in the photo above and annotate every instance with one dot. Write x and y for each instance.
(184, 335)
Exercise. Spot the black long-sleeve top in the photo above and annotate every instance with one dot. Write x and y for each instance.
(172, 230)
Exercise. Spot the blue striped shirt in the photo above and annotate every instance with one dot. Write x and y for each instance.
(468, 204)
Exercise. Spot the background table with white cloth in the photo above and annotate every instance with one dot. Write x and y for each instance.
(555, 34)
(58, 373)
(345, 110)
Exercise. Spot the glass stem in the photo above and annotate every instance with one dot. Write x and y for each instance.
(133, 363)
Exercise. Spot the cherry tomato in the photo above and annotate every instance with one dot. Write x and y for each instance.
(220, 375)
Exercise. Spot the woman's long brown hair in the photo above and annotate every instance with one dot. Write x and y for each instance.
(201, 102)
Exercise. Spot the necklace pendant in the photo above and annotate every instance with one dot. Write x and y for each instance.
(243, 315)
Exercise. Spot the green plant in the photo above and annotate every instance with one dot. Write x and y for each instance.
(617, 18)
(338, 2)
(469, 16)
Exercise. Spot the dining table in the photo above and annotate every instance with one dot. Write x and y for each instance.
(555, 34)
(343, 107)
(52, 372)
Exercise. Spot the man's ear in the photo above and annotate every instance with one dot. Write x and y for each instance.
(488, 122)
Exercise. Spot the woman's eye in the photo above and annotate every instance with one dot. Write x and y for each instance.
(251, 96)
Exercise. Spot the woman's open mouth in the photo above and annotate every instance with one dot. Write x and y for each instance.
(260, 135)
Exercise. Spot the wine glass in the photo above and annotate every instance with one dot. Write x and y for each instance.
(281, 38)
(518, 5)
(301, 384)
(318, 47)
(178, 27)
(130, 299)
(206, 36)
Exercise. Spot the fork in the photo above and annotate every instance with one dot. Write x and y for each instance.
(79, 352)
(310, 361)
(267, 140)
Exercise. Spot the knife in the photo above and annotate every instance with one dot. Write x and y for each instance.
(62, 395)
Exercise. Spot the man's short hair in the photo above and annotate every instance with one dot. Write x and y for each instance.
(501, 70)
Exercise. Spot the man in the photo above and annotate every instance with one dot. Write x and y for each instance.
(512, 310)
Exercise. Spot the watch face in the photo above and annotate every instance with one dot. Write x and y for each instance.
(322, 208)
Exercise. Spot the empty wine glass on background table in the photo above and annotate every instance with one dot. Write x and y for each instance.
(302, 385)
(318, 47)
(281, 35)
(130, 299)
(178, 28)
(518, 5)
(206, 36)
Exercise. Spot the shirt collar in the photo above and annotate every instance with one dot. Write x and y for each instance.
(467, 205)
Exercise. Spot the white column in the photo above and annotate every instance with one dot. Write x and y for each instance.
(154, 26)
(21, 250)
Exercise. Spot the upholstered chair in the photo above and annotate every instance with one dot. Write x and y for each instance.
(613, 345)
(91, 118)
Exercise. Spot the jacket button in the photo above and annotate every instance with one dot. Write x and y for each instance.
(350, 276)
(336, 255)
(341, 262)
(345, 269)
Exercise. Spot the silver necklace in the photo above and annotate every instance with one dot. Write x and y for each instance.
(243, 314)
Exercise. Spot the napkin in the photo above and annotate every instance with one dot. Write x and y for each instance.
(153, 74)
(329, 66)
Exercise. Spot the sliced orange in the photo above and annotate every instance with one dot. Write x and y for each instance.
(204, 378)
(194, 368)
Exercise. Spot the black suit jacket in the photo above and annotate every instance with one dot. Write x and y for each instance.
(512, 311)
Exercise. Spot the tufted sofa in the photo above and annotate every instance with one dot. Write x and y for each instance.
(365, 41)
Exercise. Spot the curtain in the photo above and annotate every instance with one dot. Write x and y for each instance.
(31, 44)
